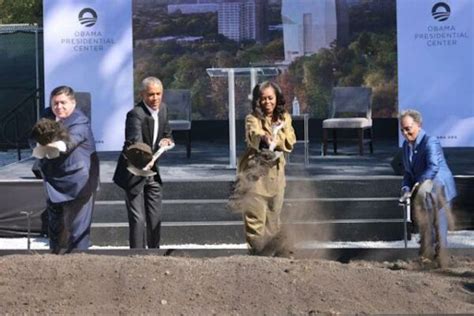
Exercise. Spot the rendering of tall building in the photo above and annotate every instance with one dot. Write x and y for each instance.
(242, 19)
(309, 26)
(189, 8)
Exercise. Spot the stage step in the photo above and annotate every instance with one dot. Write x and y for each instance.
(232, 232)
(210, 221)
(296, 188)
(322, 208)
(293, 209)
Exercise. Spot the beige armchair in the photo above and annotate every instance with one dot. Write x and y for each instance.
(351, 108)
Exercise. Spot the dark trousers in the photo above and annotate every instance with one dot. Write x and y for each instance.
(144, 215)
(69, 224)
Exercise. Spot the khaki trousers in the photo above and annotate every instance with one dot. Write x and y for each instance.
(262, 219)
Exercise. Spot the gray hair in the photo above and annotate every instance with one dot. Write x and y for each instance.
(148, 81)
(414, 114)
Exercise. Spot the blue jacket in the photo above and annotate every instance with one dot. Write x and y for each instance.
(75, 173)
(428, 163)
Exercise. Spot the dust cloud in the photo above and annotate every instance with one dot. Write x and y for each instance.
(302, 218)
(426, 221)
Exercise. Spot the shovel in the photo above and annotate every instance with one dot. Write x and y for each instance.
(146, 172)
(275, 129)
(405, 202)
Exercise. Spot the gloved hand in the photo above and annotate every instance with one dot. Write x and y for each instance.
(59, 145)
(48, 152)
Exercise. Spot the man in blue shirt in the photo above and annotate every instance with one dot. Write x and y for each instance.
(428, 175)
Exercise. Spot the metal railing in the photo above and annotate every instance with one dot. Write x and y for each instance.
(16, 124)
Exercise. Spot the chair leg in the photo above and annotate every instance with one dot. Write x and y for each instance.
(188, 144)
(325, 142)
(360, 131)
(334, 140)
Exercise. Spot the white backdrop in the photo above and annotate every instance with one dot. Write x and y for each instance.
(436, 66)
(94, 56)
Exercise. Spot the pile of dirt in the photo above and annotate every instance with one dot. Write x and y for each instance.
(236, 285)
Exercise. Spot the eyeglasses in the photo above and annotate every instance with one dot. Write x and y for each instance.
(406, 129)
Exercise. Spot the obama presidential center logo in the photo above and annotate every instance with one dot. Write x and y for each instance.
(87, 17)
(441, 11)
(90, 40)
(451, 32)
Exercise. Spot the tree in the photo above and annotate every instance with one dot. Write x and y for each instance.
(370, 60)
(25, 11)
(274, 50)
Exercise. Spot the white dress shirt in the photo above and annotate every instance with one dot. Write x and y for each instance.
(154, 114)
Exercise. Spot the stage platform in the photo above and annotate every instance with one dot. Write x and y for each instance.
(211, 160)
(335, 197)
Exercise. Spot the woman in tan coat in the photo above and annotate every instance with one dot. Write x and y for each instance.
(269, 133)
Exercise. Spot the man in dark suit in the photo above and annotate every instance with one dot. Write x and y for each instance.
(146, 123)
(426, 170)
(70, 176)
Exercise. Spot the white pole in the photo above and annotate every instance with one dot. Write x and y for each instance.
(232, 148)
(253, 80)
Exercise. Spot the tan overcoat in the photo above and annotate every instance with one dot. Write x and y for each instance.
(273, 182)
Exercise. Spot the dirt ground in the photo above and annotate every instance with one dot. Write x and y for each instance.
(234, 285)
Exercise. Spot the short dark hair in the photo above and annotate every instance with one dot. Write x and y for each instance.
(68, 91)
(280, 99)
